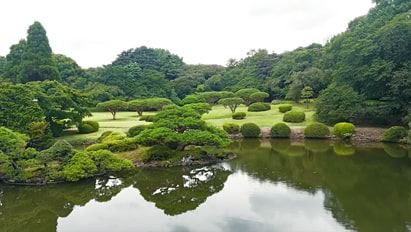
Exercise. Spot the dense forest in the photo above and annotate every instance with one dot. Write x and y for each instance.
(361, 75)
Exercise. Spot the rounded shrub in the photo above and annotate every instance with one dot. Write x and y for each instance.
(135, 130)
(85, 129)
(157, 153)
(97, 146)
(394, 134)
(316, 131)
(238, 115)
(121, 145)
(94, 124)
(285, 107)
(231, 128)
(250, 130)
(344, 130)
(294, 116)
(259, 106)
(280, 130)
(104, 135)
(147, 118)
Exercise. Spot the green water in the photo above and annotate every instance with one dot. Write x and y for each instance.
(273, 185)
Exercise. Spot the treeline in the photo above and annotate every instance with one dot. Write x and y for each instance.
(361, 75)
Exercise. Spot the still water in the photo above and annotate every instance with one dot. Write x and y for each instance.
(273, 185)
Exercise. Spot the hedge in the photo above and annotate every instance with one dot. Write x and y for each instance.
(344, 130)
(294, 116)
(239, 115)
(316, 131)
(250, 130)
(259, 106)
(280, 130)
(284, 108)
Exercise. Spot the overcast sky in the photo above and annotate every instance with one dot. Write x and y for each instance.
(93, 33)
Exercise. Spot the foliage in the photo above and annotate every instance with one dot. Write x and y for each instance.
(200, 108)
(394, 134)
(231, 128)
(88, 127)
(306, 94)
(113, 106)
(40, 136)
(245, 94)
(121, 145)
(192, 98)
(232, 103)
(285, 107)
(139, 105)
(294, 116)
(107, 161)
(316, 131)
(259, 96)
(61, 151)
(344, 130)
(238, 115)
(337, 103)
(79, 167)
(177, 127)
(157, 103)
(250, 130)
(105, 134)
(157, 153)
(280, 130)
(259, 106)
(97, 146)
(147, 118)
(135, 130)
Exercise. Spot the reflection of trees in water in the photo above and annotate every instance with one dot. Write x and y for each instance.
(37, 208)
(368, 191)
(178, 190)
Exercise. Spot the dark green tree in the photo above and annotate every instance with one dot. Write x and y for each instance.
(232, 103)
(113, 106)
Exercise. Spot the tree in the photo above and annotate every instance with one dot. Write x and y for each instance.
(210, 97)
(307, 93)
(233, 103)
(177, 127)
(113, 106)
(139, 105)
(200, 108)
(258, 96)
(245, 94)
(157, 103)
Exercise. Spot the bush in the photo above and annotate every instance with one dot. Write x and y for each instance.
(294, 116)
(157, 153)
(259, 106)
(344, 130)
(250, 130)
(94, 124)
(280, 130)
(231, 128)
(135, 130)
(85, 129)
(284, 108)
(104, 135)
(316, 131)
(147, 118)
(239, 115)
(97, 146)
(121, 145)
(394, 134)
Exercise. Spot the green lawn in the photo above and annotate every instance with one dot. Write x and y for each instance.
(220, 115)
(217, 117)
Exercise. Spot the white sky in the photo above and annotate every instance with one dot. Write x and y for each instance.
(94, 32)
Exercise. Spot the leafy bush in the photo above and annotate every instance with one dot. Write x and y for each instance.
(284, 108)
(104, 135)
(259, 106)
(94, 124)
(97, 146)
(250, 130)
(135, 130)
(394, 134)
(344, 130)
(280, 130)
(157, 153)
(85, 129)
(121, 145)
(294, 116)
(147, 118)
(239, 115)
(316, 131)
(231, 128)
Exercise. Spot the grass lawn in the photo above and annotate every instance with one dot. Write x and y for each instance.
(220, 115)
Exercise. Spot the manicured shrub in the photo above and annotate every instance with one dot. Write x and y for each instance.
(259, 106)
(394, 134)
(285, 107)
(294, 116)
(280, 130)
(250, 130)
(94, 124)
(344, 130)
(239, 115)
(121, 145)
(157, 153)
(135, 130)
(104, 135)
(231, 128)
(97, 146)
(85, 129)
(316, 131)
(147, 118)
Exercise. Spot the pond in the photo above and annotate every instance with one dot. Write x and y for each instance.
(273, 185)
